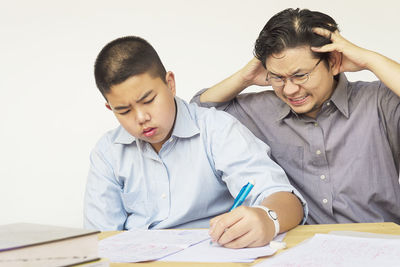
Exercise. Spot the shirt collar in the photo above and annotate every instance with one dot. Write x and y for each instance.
(123, 137)
(184, 125)
(284, 111)
(339, 98)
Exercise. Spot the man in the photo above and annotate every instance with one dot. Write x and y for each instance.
(338, 141)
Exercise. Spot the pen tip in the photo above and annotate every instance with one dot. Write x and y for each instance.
(252, 182)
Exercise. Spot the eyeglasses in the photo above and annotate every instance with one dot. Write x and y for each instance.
(297, 79)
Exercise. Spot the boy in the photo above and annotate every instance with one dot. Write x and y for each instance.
(175, 165)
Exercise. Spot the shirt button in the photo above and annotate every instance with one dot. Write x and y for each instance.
(318, 152)
(163, 196)
(328, 104)
(315, 124)
(325, 201)
(322, 177)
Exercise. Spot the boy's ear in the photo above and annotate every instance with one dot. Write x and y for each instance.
(335, 61)
(170, 80)
(108, 106)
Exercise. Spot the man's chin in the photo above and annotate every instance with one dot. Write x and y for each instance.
(310, 112)
(300, 110)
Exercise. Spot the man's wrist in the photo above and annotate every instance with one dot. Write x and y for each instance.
(242, 80)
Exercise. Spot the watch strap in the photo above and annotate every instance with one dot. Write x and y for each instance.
(273, 216)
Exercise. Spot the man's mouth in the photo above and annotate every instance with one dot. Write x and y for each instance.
(298, 101)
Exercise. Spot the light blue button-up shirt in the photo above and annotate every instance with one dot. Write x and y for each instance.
(194, 177)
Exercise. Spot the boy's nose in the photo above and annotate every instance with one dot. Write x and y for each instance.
(142, 116)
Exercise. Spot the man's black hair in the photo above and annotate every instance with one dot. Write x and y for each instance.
(292, 28)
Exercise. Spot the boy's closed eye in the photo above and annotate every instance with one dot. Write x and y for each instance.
(125, 112)
(150, 100)
(145, 102)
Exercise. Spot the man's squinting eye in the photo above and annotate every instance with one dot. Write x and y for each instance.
(273, 76)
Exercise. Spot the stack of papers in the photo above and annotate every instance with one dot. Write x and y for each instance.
(337, 250)
(174, 245)
(144, 245)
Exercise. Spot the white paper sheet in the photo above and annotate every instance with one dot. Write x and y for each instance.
(144, 245)
(204, 252)
(334, 250)
(174, 245)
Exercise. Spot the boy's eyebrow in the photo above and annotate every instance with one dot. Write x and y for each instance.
(144, 96)
(137, 101)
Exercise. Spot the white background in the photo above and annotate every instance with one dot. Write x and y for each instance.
(51, 113)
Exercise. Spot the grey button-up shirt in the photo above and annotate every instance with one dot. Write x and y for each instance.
(346, 161)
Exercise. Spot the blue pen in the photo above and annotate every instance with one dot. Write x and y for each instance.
(242, 194)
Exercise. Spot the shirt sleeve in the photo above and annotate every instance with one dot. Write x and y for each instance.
(228, 106)
(103, 208)
(241, 157)
(389, 110)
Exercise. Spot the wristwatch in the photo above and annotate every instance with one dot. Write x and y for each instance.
(272, 215)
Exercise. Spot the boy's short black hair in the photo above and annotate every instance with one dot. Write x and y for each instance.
(291, 28)
(123, 58)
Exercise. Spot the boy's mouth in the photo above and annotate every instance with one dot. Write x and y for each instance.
(149, 132)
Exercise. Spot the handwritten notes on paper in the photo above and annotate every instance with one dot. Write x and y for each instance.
(204, 252)
(334, 250)
(175, 245)
(144, 245)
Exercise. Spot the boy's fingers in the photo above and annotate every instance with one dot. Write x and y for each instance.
(214, 220)
(244, 241)
(234, 235)
(221, 223)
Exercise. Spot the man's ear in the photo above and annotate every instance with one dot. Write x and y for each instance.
(335, 61)
(170, 80)
(108, 106)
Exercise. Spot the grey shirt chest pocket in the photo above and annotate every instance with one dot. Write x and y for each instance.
(291, 159)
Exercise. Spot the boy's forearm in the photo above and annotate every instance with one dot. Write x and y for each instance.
(288, 208)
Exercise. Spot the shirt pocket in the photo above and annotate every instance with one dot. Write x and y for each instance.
(291, 159)
(136, 204)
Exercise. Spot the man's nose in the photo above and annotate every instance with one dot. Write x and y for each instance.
(289, 88)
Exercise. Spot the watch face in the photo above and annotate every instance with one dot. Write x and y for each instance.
(273, 215)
